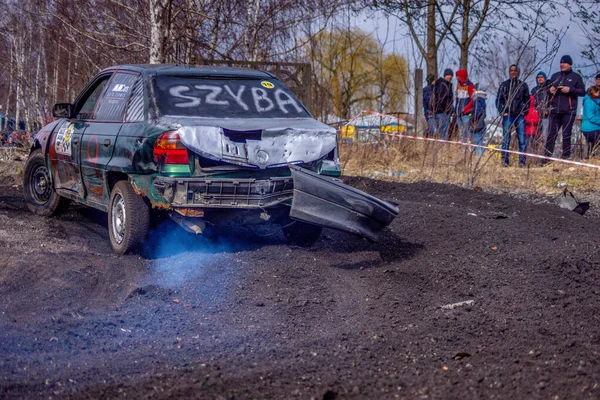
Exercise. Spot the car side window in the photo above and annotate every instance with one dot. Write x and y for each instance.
(113, 103)
(135, 108)
(89, 104)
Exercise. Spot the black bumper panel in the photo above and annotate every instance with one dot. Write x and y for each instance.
(321, 200)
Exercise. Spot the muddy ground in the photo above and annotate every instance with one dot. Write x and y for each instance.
(248, 315)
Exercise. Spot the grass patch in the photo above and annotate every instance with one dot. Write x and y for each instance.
(411, 160)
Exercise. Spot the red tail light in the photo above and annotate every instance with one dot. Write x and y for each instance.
(169, 150)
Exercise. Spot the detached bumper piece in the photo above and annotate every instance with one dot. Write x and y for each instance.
(224, 193)
(325, 201)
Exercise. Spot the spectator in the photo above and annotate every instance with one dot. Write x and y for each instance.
(540, 93)
(598, 79)
(477, 120)
(429, 116)
(532, 120)
(464, 103)
(512, 103)
(441, 104)
(11, 139)
(565, 87)
(590, 126)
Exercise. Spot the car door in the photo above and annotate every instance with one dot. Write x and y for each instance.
(65, 143)
(98, 141)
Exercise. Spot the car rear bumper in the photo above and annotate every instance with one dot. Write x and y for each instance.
(224, 192)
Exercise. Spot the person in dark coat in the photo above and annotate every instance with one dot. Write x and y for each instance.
(512, 103)
(541, 96)
(427, 96)
(441, 104)
(565, 87)
(477, 120)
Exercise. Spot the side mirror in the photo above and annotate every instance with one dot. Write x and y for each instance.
(63, 110)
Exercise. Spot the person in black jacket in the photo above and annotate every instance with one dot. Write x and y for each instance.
(541, 96)
(512, 103)
(427, 95)
(565, 87)
(441, 103)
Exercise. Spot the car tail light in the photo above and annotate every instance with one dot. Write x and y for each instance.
(168, 149)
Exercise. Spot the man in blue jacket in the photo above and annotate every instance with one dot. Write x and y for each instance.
(427, 97)
(565, 87)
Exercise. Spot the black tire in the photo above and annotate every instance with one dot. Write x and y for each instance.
(128, 218)
(39, 193)
(301, 233)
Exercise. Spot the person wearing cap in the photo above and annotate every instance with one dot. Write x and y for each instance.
(429, 116)
(512, 103)
(540, 96)
(598, 79)
(441, 103)
(565, 87)
(464, 103)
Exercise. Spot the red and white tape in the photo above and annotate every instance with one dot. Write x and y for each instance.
(426, 139)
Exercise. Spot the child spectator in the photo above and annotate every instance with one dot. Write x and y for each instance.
(532, 120)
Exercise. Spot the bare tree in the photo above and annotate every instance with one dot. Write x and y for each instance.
(587, 13)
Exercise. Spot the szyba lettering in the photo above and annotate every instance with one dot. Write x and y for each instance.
(215, 95)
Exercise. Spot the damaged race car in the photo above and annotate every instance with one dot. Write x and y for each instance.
(208, 146)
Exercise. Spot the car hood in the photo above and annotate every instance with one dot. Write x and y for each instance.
(256, 142)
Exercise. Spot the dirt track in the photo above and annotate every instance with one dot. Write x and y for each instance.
(249, 316)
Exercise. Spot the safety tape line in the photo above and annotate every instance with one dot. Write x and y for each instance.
(582, 164)
(426, 139)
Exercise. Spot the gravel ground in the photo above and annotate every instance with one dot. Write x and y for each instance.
(468, 295)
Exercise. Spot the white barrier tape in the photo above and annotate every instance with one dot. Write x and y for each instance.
(582, 164)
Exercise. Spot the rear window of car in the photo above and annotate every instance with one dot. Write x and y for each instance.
(226, 98)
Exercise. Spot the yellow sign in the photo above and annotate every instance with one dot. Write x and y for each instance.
(393, 129)
(267, 84)
(348, 132)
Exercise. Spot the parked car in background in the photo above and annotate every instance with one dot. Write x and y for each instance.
(207, 146)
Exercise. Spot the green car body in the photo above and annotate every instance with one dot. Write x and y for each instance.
(208, 146)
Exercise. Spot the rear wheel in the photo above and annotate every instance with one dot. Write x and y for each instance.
(301, 233)
(128, 218)
(39, 193)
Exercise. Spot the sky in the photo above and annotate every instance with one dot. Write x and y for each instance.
(393, 34)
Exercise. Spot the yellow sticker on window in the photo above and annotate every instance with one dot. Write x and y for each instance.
(267, 84)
